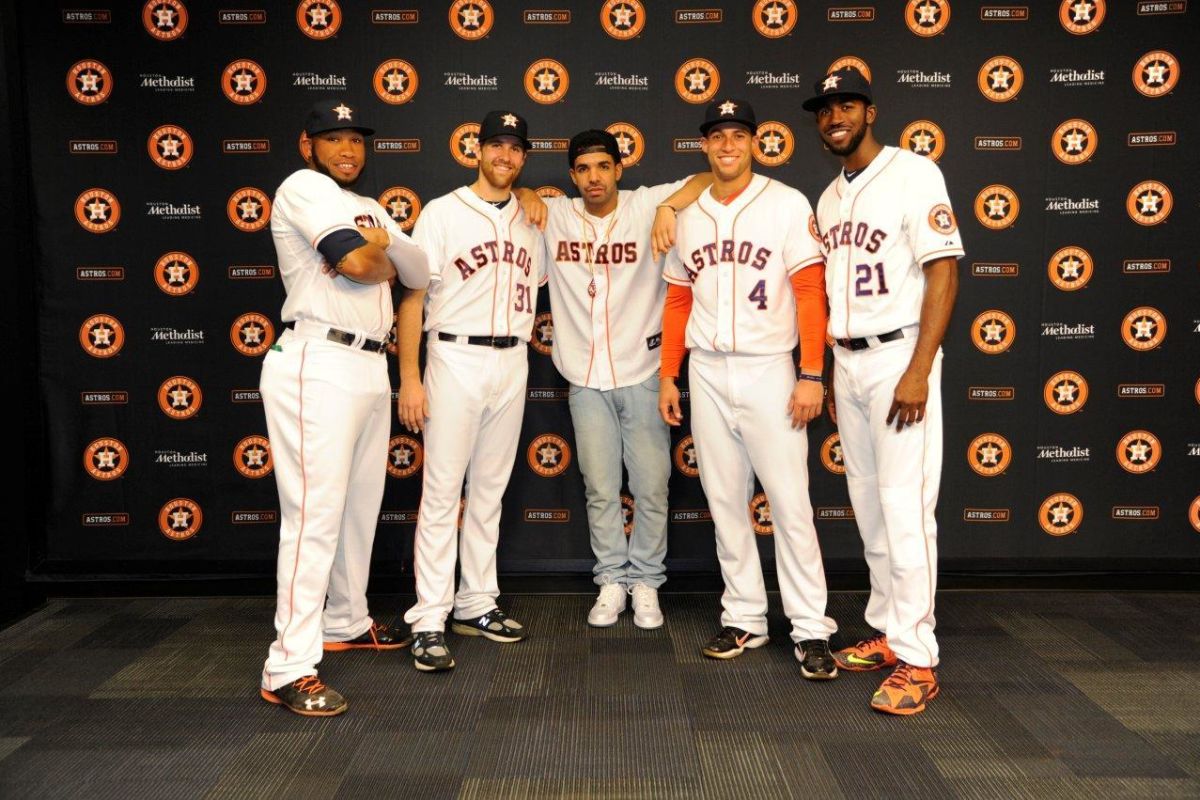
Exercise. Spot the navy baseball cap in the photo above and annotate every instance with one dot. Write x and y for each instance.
(504, 123)
(335, 114)
(593, 141)
(728, 110)
(845, 81)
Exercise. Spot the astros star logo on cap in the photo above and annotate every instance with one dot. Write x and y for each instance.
(510, 120)
(727, 108)
(831, 82)
(343, 111)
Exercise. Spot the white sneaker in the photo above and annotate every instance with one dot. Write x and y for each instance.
(608, 607)
(646, 613)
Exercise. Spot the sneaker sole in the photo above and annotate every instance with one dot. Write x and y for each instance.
(863, 667)
(648, 625)
(428, 668)
(603, 624)
(906, 712)
(818, 676)
(271, 698)
(338, 647)
(751, 644)
(467, 630)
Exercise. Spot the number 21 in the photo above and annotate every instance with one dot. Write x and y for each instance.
(862, 286)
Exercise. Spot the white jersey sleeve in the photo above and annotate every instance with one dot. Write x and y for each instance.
(929, 220)
(802, 248)
(674, 271)
(315, 205)
(428, 236)
(410, 261)
(653, 196)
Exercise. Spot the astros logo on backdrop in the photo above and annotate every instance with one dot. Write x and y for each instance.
(252, 334)
(697, 80)
(997, 206)
(989, 454)
(630, 142)
(97, 210)
(106, 459)
(1074, 142)
(760, 515)
(850, 61)
(180, 519)
(1194, 514)
(549, 455)
(176, 273)
(252, 457)
(831, 454)
(395, 81)
(775, 143)
(685, 457)
(402, 205)
(471, 19)
(627, 516)
(101, 336)
(1156, 73)
(993, 331)
(1138, 452)
(244, 82)
(464, 144)
(1065, 392)
(1070, 268)
(546, 81)
(622, 19)
(170, 147)
(1000, 79)
(1144, 328)
(774, 18)
(542, 338)
(925, 139)
(1081, 18)
(927, 17)
(165, 19)
(318, 19)
(405, 456)
(550, 191)
(1060, 514)
(180, 397)
(249, 209)
(89, 82)
(1149, 203)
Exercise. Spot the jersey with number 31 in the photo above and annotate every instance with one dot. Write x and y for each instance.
(738, 260)
(876, 232)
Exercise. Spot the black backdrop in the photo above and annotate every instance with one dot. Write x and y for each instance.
(178, 113)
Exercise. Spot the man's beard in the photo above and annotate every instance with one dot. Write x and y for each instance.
(340, 180)
(497, 182)
(849, 147)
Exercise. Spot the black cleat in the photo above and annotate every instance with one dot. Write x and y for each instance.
(307, 697)
(430, 653)
(494, 625)
(730, 642)
(816, 662)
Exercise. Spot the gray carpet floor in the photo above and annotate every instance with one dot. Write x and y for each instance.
(1044, 695)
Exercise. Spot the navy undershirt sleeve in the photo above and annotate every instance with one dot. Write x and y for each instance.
(336, 245)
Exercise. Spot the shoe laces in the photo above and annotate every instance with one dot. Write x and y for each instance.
(376, 629)
(815, 647)
(899, 678)
(878, 640)
(643, 595)
(610, 594)
(309, 684)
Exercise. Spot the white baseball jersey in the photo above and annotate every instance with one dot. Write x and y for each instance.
(738, 259)
(876, 232)
(308, 207)
(606, 292)
(485, 266)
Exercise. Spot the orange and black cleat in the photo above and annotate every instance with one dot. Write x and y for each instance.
(377, 637)
(867, 656)
(906, 690)
(307, 697)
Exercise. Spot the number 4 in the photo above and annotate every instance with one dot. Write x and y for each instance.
(759, 295)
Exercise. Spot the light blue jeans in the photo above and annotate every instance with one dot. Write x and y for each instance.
(610, 427)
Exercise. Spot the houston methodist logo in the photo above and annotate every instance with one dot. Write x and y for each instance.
(622, 19)
(101, 336)
(464, 144)
(471, 19)
(1144, 328)
(1060, 514)
(1074, 142)
(989, 454)
(549, 455)
(180, 519)
(252, 457)
(165, 20)
(831, 454)
(924, 138)
(249, 209)
(685, 458)
(402, 205)
(927, 17)
(993, 332)
(542, 337)
(176, 273)
(170, 147)
(405, 456)
(1070, 268)
(318, 19)
(697, 80)
(1000, 79)
(395, 81)
(252, 334)
(1065, 392)
(630, 142)
(244, 82)
(1149, 203)
(180, 397)
(760, 515)
(546, 81)
(774, 18)
(89, 82)
(1156, 73)
(1081, 17)
(1138, 452)
(97, 210)
(775, 143)
(105, 459)
(997, 206)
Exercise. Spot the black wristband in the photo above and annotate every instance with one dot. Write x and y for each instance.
(806, 377)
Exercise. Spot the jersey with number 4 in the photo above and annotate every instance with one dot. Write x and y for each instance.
(738, 260)
(485, 266)
(876, 232)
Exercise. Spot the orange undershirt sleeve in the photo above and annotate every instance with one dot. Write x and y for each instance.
(812, 317)
(676, 310)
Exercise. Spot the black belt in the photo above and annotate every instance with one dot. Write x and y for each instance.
(862, 343)
(347, 338)
(483, 341)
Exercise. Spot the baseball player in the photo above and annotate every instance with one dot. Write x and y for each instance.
(326, 393)
(746, 280)
(891, 246)
(486, 263)
(606, 293)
